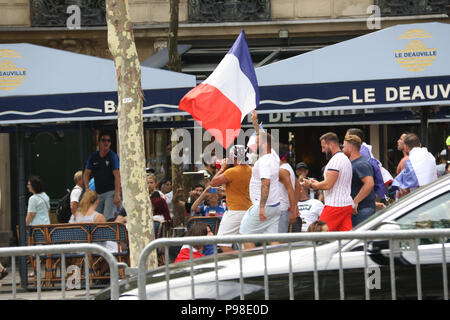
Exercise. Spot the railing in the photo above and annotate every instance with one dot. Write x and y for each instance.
(202, 11)
(412, 7)
(397, 240)
(53, 13)
(63, 249)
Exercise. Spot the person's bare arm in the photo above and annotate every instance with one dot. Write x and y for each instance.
(29, 218)
(284, 178)
(220, 178)
(99, 218)
(297, 190)
(199, 200)
(86, 177)
(326, 184)
(73, 207)
(254, 116)
(265, 189)
(116, 188)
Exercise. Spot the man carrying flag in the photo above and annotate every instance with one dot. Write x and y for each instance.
(221, 102)
(420, 167)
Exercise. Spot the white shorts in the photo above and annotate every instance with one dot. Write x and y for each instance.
(252, 225)
(230, 224)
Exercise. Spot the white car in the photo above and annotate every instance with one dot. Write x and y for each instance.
(293, 272)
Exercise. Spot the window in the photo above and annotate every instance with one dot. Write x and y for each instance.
(434, 214)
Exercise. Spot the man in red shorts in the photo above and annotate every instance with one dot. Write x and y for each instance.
(337, 183)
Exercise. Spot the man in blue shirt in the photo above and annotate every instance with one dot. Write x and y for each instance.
(362, 190)
(103, 164)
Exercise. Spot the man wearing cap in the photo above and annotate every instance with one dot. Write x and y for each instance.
(236, 180)
(301, 170)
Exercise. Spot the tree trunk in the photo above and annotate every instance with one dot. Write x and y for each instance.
(136, 200)
(175, 65)
(172, 44)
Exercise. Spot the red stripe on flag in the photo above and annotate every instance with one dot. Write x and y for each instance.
(214, 112)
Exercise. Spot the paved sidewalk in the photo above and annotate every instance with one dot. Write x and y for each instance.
(53, 293)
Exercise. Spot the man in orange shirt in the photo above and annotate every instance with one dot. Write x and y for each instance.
(236, 181)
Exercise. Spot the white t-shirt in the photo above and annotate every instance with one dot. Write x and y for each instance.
(284, 197)
(169, 197)
(340, 194)
(310, 211)
(266, 167)
(75, 194)
(39, 203)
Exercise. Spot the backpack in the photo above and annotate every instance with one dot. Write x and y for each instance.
(63, 212)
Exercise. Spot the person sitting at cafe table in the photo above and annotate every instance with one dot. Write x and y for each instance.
(213, 206)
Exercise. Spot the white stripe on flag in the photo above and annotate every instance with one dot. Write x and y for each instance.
(424, 165)
(229, 79)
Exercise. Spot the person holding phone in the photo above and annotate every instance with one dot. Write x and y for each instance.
(213, 207)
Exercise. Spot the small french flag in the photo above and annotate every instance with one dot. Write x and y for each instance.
(220, 103)
(420, 170)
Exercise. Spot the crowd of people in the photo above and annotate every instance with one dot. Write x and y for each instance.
(266, 195)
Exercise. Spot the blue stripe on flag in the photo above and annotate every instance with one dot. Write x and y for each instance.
(407, 178)
(240, 50)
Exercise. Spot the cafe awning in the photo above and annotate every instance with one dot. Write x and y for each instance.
(40, 84)
(401, 66)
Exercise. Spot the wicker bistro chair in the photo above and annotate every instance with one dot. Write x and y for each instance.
(54, 234)
(36, 235)
(297, 226)
(212, 221)
(78, 233)
(161, 229)
(117, 235)
(67, 234)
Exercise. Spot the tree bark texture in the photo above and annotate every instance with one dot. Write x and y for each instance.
(136, 200)
(175, 65)
(172, 43)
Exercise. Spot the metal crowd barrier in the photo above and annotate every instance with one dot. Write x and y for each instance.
(394, 238)
(63, 249)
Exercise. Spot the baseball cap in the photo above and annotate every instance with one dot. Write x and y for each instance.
(448, 141)
(443, 153)
(301, 165)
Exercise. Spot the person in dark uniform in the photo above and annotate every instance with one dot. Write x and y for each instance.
(103, 165)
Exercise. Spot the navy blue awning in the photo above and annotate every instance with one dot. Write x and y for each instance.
(401, 66)
(39, 85)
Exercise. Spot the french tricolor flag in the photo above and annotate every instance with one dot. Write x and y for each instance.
(420, 170)
(220, 103)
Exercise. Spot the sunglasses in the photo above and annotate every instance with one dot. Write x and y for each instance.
(105, 140)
